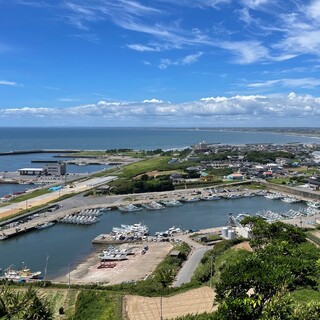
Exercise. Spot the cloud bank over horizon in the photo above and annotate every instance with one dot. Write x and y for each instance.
(238, 110)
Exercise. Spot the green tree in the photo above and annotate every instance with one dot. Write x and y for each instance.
(23, 305)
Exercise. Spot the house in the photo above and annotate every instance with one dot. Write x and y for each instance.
(314, 183)
(176, 178)
(235, 176)
(267, 174)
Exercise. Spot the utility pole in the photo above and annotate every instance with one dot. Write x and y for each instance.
(45, 271)
(211, 258)
(161, 308)
(69, 276)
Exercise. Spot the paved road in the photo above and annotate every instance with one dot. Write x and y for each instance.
(79, 186)
(187, 270)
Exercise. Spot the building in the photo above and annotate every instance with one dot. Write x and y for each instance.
(30, 171)
(235, 176)
(314, 183)
(55, 169)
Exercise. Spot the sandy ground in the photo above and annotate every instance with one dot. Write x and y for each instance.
(192, 302)
(135, 268)
(243, 245)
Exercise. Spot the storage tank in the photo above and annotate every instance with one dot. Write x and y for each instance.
(231, 234)
(224, 232)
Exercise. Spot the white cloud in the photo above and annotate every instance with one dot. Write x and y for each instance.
(9, 83)
(227, 108)
(68, 99)
(256, 4)
(192, 58)
(187, 60)
(246, 51)
(141, 47)
(287, 82)
(153, 101)
(313, 10)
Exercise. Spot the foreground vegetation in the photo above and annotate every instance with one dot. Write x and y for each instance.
(278, 279)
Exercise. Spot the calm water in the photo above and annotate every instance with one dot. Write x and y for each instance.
(14, 162)
(133, 138)
(69, 244)
(11, 188)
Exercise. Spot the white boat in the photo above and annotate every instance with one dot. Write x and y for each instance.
(313, 204)
(112, 251)
(45, 225)
(21, 275)
(153, 206)
(232, 196)
(129, 208)
(112, 257)
(210, 198)
(194, 199)
(274, 196)
(171, 203)
(290, 200)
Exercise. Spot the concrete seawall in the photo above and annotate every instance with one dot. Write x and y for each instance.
(305, 194)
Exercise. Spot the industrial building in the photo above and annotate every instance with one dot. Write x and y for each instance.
(50, 169)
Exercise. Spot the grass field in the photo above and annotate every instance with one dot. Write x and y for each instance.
(155, 163)
(306, 295)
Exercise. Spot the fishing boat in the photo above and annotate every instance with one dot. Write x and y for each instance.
(193, 199)
(129, 208)
(45, 225)
(313, 204)
(290, 200)
(171, 203)
(21, 275)
(153, 206)
(210, 198)
(112, 257)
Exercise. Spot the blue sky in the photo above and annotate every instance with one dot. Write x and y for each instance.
(159, 63)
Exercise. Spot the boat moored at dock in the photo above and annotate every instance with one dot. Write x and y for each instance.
(21, 275)
(314, 204)
(129, 208)
(153, 206)
(45, 225)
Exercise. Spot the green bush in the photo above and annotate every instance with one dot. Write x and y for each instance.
(98, 305)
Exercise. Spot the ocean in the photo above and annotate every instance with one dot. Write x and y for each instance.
(132, 138)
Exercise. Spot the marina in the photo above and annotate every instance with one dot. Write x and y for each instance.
(68, 244)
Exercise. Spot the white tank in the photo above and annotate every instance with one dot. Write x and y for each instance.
(231, 234)
(224, 232)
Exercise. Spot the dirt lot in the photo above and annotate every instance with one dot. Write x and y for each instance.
(191, 302)
(135, 268)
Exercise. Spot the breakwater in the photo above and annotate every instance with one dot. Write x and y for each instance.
(16, 152)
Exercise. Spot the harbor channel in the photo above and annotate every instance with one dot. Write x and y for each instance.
(68, 245)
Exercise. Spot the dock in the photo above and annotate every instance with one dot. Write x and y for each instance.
(108, 239)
